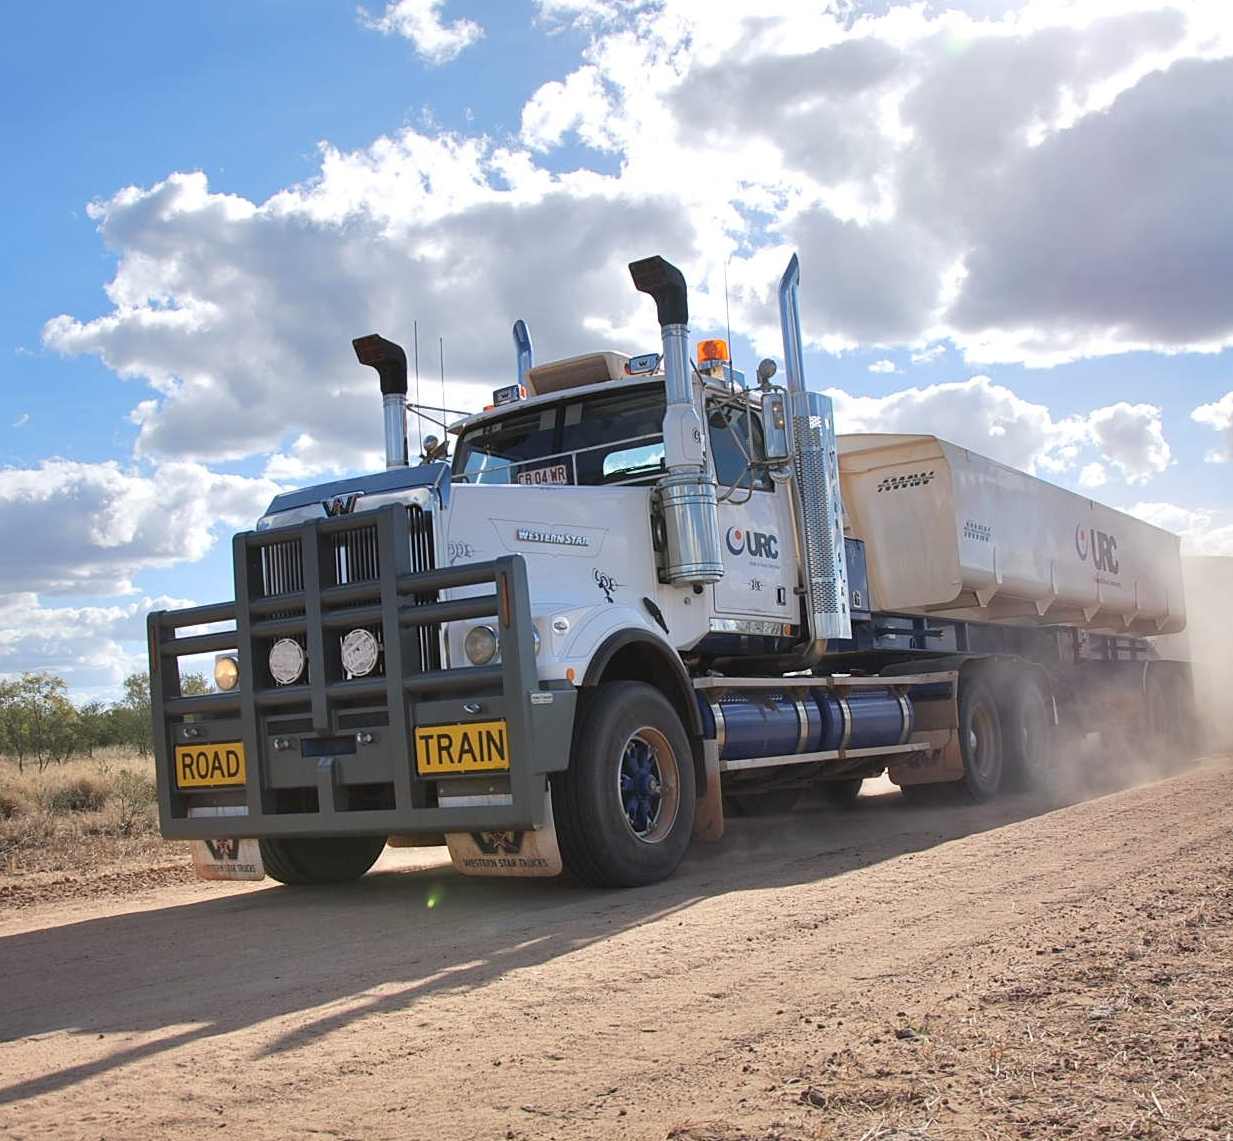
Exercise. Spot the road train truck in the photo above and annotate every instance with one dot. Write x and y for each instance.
(641, 594)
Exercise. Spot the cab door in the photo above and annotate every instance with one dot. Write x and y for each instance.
(755, 523)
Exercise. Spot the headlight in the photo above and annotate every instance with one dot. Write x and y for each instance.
(286, 661)
(481, 645)
(359, 652)
(226, 672)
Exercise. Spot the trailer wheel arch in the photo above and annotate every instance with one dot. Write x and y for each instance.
(629, 655)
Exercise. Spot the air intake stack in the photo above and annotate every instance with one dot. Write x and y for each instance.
(685, 501)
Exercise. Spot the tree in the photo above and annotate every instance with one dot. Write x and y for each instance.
(93, 727)
(37, 720)
(132, 716)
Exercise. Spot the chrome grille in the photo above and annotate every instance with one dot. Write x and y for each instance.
(355, 556)
(282, 567)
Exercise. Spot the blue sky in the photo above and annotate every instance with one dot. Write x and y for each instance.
(1012, 221)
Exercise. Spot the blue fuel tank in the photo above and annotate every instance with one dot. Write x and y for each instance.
(766, 723)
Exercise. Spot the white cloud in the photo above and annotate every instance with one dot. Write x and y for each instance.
(978, 414)
(884, 366)
(22, 420)
(420, 21)
(1218, 415)
(92, 648)
(1201, 531)
(87, 529)
(1093, 475)
(928, 355)
(992, 420)
(579, 104)
(1032, 186)
(241, 317)
(1131, 437)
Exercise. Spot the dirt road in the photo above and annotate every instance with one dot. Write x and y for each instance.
(987, 972)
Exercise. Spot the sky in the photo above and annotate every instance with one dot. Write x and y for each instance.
(1012, 218)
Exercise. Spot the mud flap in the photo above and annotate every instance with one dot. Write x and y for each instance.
(228, 860)
(709, 816)
(508, 853)
(938, 761)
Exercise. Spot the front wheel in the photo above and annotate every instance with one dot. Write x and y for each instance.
(624, 808)
(320, 859)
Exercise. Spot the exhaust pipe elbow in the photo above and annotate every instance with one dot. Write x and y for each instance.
(666, 284)
(390, 361)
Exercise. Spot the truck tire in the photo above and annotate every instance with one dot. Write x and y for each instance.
(320, 859)
(1027, 738)
(980, 741)
(624, 808)
(1171, 721)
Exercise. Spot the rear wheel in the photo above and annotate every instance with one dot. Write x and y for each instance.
(1027, 737)
(1170, 716)
(320, 859)
(980, 741)
(624, 808)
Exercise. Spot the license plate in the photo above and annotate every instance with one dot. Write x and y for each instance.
(210, 766)
(477, 747)
(544, 476)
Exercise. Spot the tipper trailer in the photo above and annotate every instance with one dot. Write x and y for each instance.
(639, 594)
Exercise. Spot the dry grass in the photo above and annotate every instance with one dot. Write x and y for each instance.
(79, 818)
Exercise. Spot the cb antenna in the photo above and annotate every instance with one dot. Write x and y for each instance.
(419, 422)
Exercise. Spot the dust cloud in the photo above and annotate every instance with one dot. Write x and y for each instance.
(1207, 642)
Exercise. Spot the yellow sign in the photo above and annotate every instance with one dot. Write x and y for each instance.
(215, 765)
(479, 746)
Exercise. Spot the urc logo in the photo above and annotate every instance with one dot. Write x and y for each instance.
(757, 544)
(1101, 546)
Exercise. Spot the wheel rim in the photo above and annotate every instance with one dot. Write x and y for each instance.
(982, 742)
(647, 783)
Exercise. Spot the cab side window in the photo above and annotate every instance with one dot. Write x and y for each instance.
(729, 433)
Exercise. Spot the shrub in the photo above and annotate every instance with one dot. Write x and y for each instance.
(10, 802)
(81, 794)
(136, 796)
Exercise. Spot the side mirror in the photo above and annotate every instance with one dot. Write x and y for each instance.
(776, 427)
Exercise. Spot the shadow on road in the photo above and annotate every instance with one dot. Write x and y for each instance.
(309, 961)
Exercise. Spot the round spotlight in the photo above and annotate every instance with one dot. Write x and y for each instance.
(226, 672)
(359, 652)
(286, 661)
(481, 645)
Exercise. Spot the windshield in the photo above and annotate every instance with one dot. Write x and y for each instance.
(615, 438)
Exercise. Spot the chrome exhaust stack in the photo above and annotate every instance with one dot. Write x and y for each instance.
(390, 361)
(686, 512)
(817, 502)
